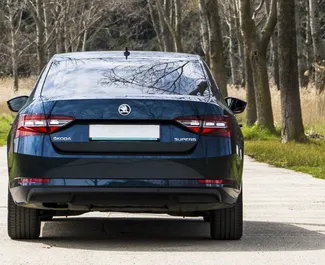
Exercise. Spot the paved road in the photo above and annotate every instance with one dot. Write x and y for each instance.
(284, 224)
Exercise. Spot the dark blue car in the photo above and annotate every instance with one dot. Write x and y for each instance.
(149, 133)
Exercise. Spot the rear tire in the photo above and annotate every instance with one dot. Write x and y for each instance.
(227, 224)
(23, 223)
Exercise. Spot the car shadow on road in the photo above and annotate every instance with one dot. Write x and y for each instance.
(162, 234)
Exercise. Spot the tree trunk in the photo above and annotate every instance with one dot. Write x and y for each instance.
(166, 34)
(40, 31)
(15, 75)
(251, 113)
(246, 25)
(217, 61)
(46, 28)
(241, 49)
(300, 47)
(178, 26)
(59, 41)
(318, 48)
(155, 26)
(173, 23)
(262, 89)
(309, 52)
(257, 46)
(84, 41)
(66, 40)
(234, 65)
(38, 16)
(204, 29)
(275, 55)
(65, 27)
(171, 19)
(13, 50)
(58, 31)
(162, 26)
(274, 61)
(292, 125)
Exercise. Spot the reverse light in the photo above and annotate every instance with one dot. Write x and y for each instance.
(217, 125)
(35, 124)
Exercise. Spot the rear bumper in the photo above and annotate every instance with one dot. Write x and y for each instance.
(174, 200)
(166, 184)
(122, 167)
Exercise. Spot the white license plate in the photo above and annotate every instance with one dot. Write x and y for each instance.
(124, 132)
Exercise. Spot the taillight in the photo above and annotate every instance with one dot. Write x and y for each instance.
(35, 124)
(24, 181)
(216, 181)
(208, 125)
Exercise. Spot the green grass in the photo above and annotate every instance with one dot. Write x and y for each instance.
(266, 147)
(5, 120)
(316, 128)
(255, 134)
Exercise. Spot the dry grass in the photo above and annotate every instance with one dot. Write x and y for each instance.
(7, 91)
(313, 107)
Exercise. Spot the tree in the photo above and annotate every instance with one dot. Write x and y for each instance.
(174, 25)
(37, 12)
(251, 112)
(211, 41)
(318, 47)
(300, 45)
(274, 53)
(17, 46)
(159, 30)
(178, 26)
(14, 18)
(217, 62)
(256, 45)
(235, 51)
(204, 30)
(237, 37)
(292, 125)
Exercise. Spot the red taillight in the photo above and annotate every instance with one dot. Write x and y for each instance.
(216, 181)
(35, 124)
(22, 181)
(209, 125)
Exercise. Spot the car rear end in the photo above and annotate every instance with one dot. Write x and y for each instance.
(102, 134)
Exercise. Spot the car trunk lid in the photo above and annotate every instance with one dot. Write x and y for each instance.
(149, 127)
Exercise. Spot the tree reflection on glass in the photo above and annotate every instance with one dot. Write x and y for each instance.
(114, 77)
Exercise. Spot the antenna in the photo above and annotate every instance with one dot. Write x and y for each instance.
(126, 53)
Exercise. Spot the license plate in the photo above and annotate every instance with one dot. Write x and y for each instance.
(124, 132)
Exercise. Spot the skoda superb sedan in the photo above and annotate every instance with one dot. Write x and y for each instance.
(146, 133)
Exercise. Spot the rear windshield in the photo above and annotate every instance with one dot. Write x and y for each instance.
(120, 77)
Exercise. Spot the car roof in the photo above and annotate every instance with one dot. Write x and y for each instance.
(120, 54)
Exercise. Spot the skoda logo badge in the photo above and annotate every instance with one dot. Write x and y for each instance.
(124, 109)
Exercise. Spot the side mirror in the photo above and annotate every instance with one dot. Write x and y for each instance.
(236, 105)
(15, 104)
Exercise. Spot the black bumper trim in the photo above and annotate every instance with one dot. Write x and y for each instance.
(91, 198)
